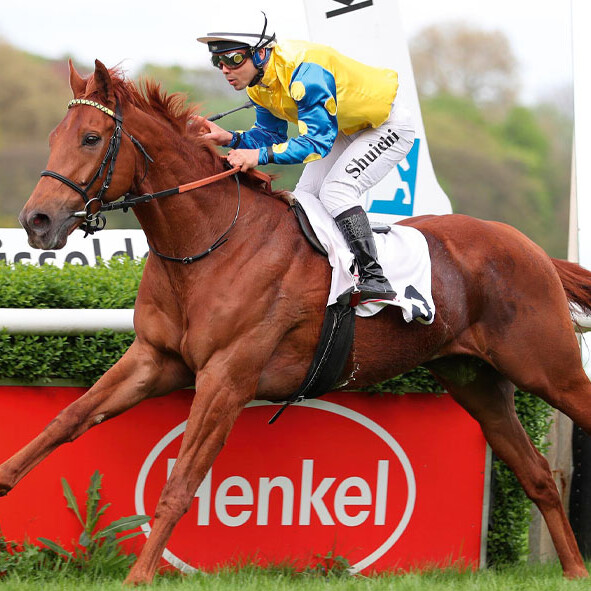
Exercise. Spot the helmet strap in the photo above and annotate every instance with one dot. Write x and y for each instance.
(259, 65)
(258, 77)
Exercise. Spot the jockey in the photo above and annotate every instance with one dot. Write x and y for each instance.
(352, 132)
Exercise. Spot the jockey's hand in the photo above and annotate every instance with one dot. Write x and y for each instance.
(216, 134)
(246, 159)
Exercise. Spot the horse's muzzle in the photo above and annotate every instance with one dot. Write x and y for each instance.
(44, 231)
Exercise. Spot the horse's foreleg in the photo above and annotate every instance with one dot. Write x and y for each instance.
(218, 401)
(142, 372)
(488, 397)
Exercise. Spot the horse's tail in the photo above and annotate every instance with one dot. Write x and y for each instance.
(576, 282)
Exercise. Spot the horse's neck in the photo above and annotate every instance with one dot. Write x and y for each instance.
(188, 223)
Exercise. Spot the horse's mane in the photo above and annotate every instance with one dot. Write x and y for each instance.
(181, 117)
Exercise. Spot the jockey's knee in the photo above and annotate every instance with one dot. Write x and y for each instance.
(337, 195)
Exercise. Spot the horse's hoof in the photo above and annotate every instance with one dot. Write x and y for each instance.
(132, 580)
(576, 573)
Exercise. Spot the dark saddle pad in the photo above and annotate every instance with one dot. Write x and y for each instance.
(338, 329)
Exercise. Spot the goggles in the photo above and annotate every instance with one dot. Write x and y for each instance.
(231, 60)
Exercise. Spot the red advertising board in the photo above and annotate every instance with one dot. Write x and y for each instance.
(388, 482)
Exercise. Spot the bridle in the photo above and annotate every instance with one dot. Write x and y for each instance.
(94, 222)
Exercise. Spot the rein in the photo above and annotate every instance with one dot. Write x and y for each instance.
(188, 187)
(94, 222)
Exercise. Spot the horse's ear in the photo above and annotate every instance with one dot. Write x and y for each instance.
(77, 83)
(104, 85)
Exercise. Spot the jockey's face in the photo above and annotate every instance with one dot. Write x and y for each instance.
(239, 78)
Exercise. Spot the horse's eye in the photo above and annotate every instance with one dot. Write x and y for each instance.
(91, 139)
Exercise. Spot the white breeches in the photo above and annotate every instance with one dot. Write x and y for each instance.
(357, 162)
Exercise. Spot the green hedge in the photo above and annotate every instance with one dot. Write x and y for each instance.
(31, 358)
(111, 285)
(81, 358)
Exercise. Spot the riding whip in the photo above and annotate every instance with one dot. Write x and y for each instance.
(247, 105)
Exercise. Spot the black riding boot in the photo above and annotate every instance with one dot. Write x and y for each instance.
(355, 227)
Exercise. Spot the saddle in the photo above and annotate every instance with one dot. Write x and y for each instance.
(306, 226)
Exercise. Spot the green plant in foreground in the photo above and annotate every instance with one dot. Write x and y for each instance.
(330, 565)
(27, 561)
(98, 550)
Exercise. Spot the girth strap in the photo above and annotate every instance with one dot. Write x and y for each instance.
(331, 355)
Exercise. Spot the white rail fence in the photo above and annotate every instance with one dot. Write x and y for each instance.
(84, 321)
(64, 321)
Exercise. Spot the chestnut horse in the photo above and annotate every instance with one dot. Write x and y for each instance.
(243, 322)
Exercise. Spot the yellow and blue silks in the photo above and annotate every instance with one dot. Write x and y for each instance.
(320, 90)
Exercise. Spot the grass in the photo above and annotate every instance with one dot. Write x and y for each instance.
(98, 563)
(522, 577)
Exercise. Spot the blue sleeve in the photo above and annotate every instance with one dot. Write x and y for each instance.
(266, 131)
(314, 90)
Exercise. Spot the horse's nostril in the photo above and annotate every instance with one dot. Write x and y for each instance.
(39, 221)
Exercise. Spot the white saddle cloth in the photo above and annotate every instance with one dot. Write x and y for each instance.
(403, 254)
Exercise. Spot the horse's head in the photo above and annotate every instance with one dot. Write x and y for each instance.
(86, 148)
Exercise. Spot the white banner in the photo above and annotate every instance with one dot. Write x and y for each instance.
(582, 143)
(371, 31)
(581, 208)
(104, 245)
